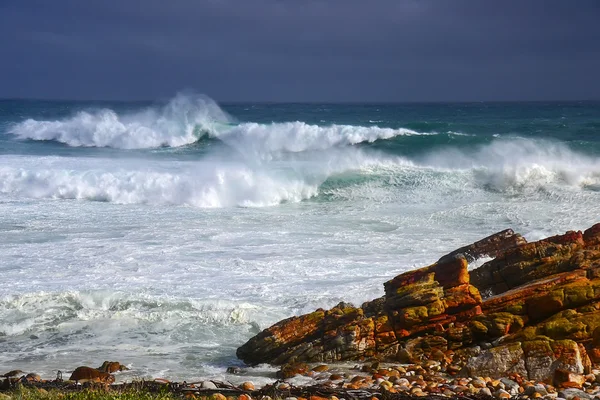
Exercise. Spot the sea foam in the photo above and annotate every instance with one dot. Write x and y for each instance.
(186, 119)
(183, 120)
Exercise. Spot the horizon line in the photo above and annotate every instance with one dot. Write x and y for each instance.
(274, 102)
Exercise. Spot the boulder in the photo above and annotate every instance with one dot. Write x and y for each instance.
(112, 366)
(87, 374)
(499, 361)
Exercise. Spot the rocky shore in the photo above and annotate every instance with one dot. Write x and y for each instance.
(530, 315)
(525, 324)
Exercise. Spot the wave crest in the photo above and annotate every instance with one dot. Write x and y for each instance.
(48, 311)
(215, 187)
(186, 119)
(180, 122)
(299, 136)
(517, 164)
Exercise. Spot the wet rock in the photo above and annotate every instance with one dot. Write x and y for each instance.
(320, 368)
(112, 366)
(31, 378)
(491, 245)
(13, 374)
(293, 369)
(234, 370)
(87, 374)
(247, 386)
(208, 385)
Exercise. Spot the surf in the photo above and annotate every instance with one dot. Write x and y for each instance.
(186, 119)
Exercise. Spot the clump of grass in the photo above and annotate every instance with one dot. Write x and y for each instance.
(23, 393)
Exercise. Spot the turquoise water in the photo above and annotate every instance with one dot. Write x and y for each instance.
(574, 123)
(165, 234)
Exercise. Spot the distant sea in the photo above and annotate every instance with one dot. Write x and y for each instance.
(165, 235)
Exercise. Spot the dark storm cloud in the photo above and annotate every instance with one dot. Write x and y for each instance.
(301, 50)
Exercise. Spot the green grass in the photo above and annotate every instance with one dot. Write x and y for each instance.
(87, 394)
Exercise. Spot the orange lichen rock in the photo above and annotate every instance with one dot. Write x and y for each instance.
(87, 374)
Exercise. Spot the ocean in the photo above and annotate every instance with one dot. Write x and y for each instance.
(164, 235)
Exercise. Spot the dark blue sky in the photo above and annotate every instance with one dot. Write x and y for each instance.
(301, 50)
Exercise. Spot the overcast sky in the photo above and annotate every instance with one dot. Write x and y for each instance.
(301, 50)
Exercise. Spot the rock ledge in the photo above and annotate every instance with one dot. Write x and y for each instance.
(533, 310)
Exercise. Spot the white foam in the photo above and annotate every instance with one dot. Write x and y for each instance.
(204, 185)
(261, 139)
(520, 164)
(182, 121)
(185, 119)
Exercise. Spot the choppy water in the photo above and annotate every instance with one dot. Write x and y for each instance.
(165, 235)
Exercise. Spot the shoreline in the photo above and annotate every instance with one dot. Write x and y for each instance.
(364, 381)
(525, 324)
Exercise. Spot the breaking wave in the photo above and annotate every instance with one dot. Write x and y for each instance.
(220, 186)
(516, 166)
(39, 312)
(182, 121)
(185, 120)
(517, 163)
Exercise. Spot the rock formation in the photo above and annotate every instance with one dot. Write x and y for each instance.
(533, 310)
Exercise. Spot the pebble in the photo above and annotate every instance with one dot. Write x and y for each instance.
(449, 393)
(321, 368)
(403, 381)
(403, 388)
(478, 383)
(502, 394)
(485, 392)
(248, 386)
(511, 386)
(570, 394)
(208, 385)
(538, 388)
(385, 384)
(461, 389)
(416, 390)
